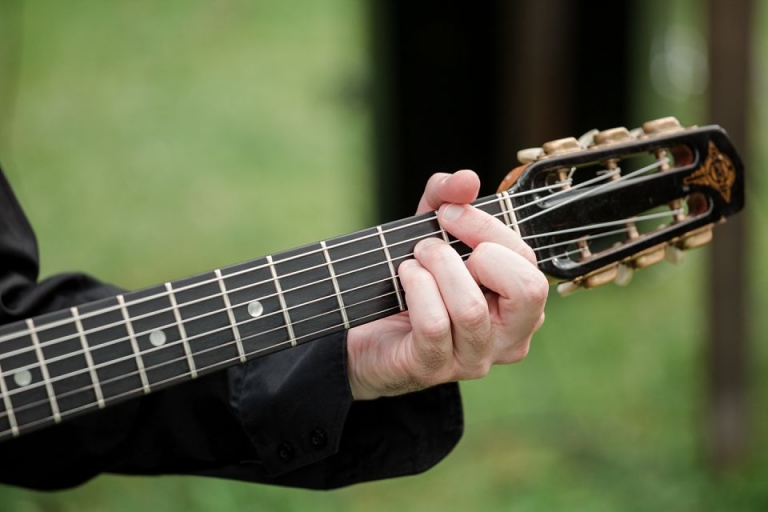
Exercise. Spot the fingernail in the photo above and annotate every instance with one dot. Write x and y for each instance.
(452, 212)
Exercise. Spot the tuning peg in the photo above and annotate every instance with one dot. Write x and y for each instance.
(673, 254)
(662, 125)
(696, 239)
(612, 136)
(561, 146)
(649, 257)
(588, 139)
(624, 274)
(529, 155)
(601, 277)
(568, 288)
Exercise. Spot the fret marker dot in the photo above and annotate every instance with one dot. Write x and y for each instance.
(23, 378)
(255, 309)
(157, 338)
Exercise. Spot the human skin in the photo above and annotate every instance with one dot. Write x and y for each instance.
(463, 317)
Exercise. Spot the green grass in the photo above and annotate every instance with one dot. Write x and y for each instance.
(154, 141)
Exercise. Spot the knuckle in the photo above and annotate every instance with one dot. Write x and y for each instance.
(537, 289)
(436, 329)
(474, 316)
(435, 254)
(482, 251)
(527, 253)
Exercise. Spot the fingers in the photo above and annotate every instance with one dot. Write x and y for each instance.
(460, 187)
(520, 294)
(473, 227)
(469, 326)
(491, 328)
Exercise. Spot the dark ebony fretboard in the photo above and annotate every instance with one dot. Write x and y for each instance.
(60, 364)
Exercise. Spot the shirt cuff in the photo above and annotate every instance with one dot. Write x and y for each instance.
(293, 404)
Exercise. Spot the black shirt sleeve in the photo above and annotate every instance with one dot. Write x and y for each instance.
(285, 419)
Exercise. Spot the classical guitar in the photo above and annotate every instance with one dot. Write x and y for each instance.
(594, 210)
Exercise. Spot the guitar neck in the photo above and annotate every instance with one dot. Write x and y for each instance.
(585, 216)
(62, 364)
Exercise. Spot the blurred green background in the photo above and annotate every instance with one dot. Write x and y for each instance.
(148, 141)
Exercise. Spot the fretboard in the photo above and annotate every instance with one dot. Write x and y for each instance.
(61, 364)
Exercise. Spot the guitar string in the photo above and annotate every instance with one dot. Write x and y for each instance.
(492, 200)
(303, 304)
(69, 355)
(603, 176)
(222, 310)
(72, 354)
(217, 347)
(183, 359)
(179, 342)
(224, 363)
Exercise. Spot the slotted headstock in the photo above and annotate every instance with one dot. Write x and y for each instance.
(598, 208)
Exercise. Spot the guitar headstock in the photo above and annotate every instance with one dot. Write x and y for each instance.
(598, 208)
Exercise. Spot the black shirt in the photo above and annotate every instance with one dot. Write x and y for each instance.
(285, 419)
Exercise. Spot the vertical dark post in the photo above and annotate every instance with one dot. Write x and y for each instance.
(466, 84)
(538, 61)
(728, 414)
(436, 70)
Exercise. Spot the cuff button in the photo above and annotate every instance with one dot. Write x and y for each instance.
(318, 439)
(285, 452)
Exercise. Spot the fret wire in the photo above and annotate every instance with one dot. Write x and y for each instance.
(490, 201)
(336, 288)
(231, 315)
(8, 405)
(44, 371)
(283, 305)
(134, 345)
(395, 282)
(182, 330)
(88, 358)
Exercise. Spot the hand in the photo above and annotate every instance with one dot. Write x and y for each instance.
(453, 329)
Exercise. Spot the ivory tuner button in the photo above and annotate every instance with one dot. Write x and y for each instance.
(612, 136)
(624, 274)
(561, 146)
(568, 288)
(673, 254)
(662, 125)
(601, 277)
(696, 240)
(529, 155)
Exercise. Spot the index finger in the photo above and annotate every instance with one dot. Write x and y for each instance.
(460, 187)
